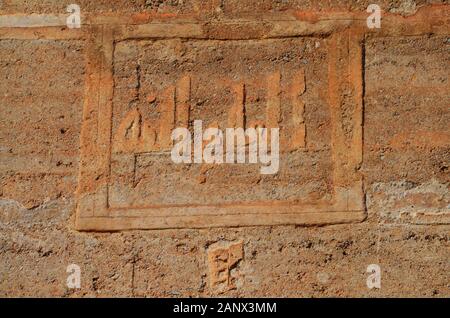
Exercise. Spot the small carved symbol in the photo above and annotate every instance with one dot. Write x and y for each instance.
(222, 259)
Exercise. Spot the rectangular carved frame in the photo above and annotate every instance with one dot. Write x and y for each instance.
(345, 33)
(94, 212)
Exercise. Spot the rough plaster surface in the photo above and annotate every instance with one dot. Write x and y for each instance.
(404, 145)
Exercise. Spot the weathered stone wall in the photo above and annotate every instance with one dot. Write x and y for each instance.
(364, 148)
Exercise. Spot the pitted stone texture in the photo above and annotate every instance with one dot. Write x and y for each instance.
(41, 91)
(406, 154)
(217, 7)
(404, 167)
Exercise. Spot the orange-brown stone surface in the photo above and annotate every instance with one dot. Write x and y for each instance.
(86, 175)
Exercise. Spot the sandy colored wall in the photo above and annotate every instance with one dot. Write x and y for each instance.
(378, 128)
